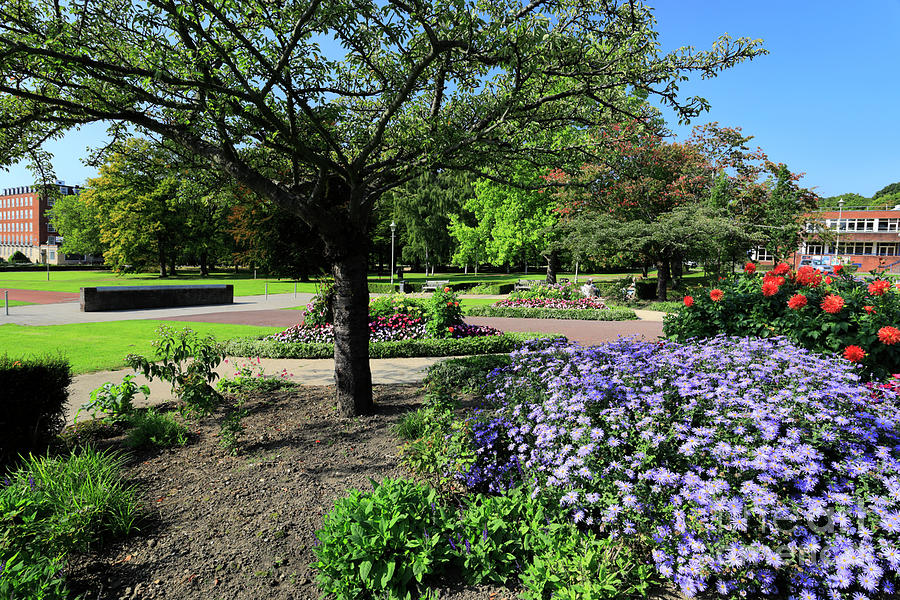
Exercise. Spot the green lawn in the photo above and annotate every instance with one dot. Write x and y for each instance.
(101, 346)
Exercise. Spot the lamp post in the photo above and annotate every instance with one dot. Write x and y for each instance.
(393, 231)
(837, 241)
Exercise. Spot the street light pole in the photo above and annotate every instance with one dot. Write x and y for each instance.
(393, 230)
(837, 241)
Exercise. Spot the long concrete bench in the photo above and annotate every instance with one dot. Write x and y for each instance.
(153, 296)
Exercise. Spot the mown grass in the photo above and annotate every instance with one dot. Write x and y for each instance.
(102, 346)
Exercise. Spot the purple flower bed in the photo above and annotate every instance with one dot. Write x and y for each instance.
(743, 466)
(579, 304)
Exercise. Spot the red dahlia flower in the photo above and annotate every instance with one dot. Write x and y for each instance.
(716, 294)
(832, 304)
(769, 288)
(781, 269)
(688, 300)
(837, 268)
(797, 301)
(869, 309)
(750, 268)
(854, 353)
(827, 279)
(879, 288)
(889, 335)
(808, 276)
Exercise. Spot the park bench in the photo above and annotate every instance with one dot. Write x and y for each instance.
(433, 285)
(128, 297)
(524, 284)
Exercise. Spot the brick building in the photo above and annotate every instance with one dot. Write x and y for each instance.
(24, 226)
(868, 238)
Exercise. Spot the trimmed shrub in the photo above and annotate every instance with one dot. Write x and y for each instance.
(461, 375)
(18, 257)
(492, 344)
(33, 396)
(384, 288)
(491, 289)
(612, 314)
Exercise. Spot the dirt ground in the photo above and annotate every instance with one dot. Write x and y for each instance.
(242, 528)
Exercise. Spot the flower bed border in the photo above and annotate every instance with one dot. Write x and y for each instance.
(489, 344)
(612, 314)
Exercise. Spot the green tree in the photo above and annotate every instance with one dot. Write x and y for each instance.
(411, 87)
(892, 189)
(78, 223)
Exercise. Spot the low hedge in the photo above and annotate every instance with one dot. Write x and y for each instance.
(613, 314)
(33, 396)
(489, 344)
(491, 289)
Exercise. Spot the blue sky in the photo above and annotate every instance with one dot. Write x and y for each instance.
(825, 101)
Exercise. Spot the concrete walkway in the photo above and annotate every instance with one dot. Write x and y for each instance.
(305, 371)
(63, 313)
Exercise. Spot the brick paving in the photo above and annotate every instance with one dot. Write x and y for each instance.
(39, 296)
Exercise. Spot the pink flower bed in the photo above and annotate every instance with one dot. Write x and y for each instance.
(580, 304)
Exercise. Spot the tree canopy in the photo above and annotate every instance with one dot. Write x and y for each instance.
(322, 106)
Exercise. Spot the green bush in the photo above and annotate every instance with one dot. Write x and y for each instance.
(151, 429)
(382, 543)
(18, 257)
(51, 506)
(116, 402)
(392, 304)
(490, 344)
(613, 289)
(491, 289)
(667, 307)
(613, 314)
(462, 375)
(33, 396)
(443, 313)
(320, 310)
(382, 288)
(839, 314)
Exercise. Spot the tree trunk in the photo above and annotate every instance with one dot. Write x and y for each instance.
(645, 270)
(162, 260)
(204, 264)
(352, 375)
(662, 278)
(677, 267)
(552, 266)
(172, 264)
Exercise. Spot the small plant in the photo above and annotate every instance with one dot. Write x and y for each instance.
(443, 313)
(152, 429)
(412, 425)
(188, 362)
(382, 543)
(393, 304)
(250, 377)
(232, 426)
(320, 310)
(115, 401)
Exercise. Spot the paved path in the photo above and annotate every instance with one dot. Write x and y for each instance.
(38, 296)
(305, 371)
(70, 312)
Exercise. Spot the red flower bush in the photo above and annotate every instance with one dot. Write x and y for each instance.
(806, 276)
(832, 304)
(837, 268)
(716, 294)
(688, 300)
(869, 309)
(797, 302)
(769, 288)
(854, 353)
(750, 268)
(879, 287)
(781, 269)
(889, 335)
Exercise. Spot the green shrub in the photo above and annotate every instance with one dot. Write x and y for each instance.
(382, 543)
(667, 307)
(560, 291)
(384, 288)
(613, 289)
(187, 361)
(463, 375)
(443, 313)
(115, 401)
(392, 304)
(151, 429)
(251, 378)
(18, 257)
(613, 314)
(491, 289)
(490, 344)
(33, 396)
(320, 310)
(412, 425)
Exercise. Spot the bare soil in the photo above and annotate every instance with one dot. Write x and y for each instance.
(242, 527)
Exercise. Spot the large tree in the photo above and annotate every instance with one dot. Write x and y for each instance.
(403, 87)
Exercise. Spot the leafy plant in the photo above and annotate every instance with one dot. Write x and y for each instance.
(251, 378)
(115, 401)
(153, 429)
(443, 313)
(320, 310)
(231, 425)
(187, 361)
(392, 304)
(608, 314)
(462, 375)
(382, 543)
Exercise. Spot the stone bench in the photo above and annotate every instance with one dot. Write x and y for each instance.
(129, 297)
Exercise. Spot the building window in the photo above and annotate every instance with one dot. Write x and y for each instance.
(52, 255)
(887, 249)
(814, 248)
(50, 228)
(761, 253)
(855, 248)
(888, 224)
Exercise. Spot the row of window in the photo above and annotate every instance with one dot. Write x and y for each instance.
(14, 202)
(7, 215)
(859, 248)
(18, 239)
(882, 225)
